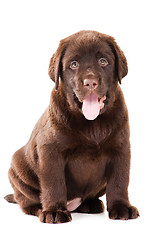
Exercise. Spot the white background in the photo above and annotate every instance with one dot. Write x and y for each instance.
(29, 34)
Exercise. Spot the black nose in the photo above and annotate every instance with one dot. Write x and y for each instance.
(91, 84)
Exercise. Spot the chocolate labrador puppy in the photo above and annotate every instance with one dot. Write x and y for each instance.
(79, 150)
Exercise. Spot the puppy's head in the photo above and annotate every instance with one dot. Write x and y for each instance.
(89, 66)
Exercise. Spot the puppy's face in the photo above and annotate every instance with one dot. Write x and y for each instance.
(89, 72)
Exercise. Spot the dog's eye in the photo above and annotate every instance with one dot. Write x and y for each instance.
(74, 65)
(103, 62)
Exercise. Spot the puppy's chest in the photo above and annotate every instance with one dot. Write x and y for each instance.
(91, 135)
(91, 143)
(86, 159)
(86, 165)
(96, 133)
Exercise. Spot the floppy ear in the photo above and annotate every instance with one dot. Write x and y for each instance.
(121, 61)
(55, 65)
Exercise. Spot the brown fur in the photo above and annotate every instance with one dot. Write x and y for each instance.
(69, 157)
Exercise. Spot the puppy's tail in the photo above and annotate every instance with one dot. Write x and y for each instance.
(10, 198)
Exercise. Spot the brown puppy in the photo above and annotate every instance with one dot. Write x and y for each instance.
(79, 149)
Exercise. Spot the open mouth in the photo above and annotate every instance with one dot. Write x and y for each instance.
(79, 104)
(91, 105)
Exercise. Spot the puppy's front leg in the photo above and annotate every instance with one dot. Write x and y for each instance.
(118, 204)
(53, 186)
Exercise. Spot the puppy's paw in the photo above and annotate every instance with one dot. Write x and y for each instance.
(91, 206)
(60, 216)
(123, 212)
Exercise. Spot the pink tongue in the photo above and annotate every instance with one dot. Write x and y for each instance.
(91, 107)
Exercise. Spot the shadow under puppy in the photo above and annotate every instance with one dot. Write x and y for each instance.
(79, 150)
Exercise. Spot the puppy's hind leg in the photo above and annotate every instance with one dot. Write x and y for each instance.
(10, 198)
(28, 206)
(91, 206)
(35, 210)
